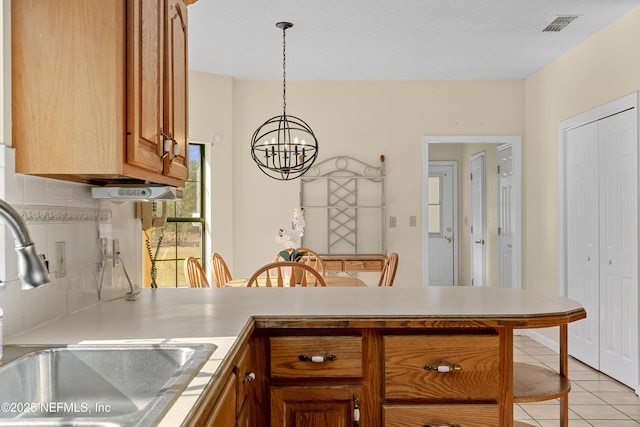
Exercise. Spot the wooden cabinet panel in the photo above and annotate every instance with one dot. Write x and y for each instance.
(441, 415)
(224, 412)
(343, 354)
(314, 406)
(175, 104)
(353, 263)
(405, 359)
(246, 376)
(145, 60)
(68, 71)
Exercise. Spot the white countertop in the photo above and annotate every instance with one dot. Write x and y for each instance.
(219, 315)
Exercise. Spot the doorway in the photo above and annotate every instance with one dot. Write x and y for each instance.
(463, 241)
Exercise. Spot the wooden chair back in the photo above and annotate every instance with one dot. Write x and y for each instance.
(289, 273)
(388, 273)
(311, 258)
(195, 274)
(219, 271)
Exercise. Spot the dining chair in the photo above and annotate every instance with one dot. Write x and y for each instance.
(195, 274)
(219, 271)
(310, 258)
(389, 268)
(276, 274)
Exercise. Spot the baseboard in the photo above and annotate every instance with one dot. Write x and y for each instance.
(539, 338)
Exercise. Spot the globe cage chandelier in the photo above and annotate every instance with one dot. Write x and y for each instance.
(284, 147)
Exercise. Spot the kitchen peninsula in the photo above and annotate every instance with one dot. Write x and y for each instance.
(364, 356)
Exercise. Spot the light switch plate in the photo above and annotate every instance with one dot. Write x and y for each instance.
(392, 222)
(412, 221)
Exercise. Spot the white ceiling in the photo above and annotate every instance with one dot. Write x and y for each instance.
(389, 39)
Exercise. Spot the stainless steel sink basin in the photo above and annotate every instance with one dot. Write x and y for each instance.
(119, 385)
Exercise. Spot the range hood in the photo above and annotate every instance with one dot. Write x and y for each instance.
(137, 192)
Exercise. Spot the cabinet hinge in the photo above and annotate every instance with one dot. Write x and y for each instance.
(498, 169)
(472, 229)
(471, 176)
(499, 231)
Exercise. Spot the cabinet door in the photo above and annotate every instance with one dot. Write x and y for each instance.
(314, 406)
(441, 415)
(224, 413)
(175, 103)
(145, 60)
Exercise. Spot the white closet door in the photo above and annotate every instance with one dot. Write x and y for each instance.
(582, 240)
(619, 248)
(602, 244)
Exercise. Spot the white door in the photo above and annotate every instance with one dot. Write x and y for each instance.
(442, 244)
(583, 252)
(506, 216)
(619, 247)
(602, 244)
(478, 251)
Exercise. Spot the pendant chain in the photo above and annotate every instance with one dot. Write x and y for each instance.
(284, 72)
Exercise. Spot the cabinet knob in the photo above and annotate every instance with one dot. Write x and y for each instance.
(317, 359)
(249, 377)
(443, 368)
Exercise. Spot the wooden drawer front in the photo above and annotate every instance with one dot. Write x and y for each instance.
(286, 352)
(441, 415)
(405, 376)
(246, 376)
(363, 265)
(332, 265)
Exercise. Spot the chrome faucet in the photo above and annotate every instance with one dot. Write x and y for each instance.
(31, 270)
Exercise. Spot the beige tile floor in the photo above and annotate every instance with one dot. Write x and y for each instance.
(595, 399)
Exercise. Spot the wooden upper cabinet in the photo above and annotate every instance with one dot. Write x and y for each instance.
(175, 105)
(145, 90)
(98, 86)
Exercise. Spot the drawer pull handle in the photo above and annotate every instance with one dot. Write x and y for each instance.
(443, 368)
(249, 377)
(443, 425)
(317, 359)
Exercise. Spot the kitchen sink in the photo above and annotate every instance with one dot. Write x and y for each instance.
(96, 385)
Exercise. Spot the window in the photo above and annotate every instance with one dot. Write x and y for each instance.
(183, 234)
(435, 204)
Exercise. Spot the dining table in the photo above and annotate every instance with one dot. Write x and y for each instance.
(332, 281)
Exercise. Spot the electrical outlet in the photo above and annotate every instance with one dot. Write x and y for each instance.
(116, 252)
(103, 252)
(392, 222)
(61, 259)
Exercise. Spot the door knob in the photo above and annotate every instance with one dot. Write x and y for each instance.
(480, 241)
(448, 239)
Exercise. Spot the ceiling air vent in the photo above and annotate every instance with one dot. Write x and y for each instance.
(559, 23)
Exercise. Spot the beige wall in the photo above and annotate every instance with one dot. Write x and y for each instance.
(210, 100)
(360, 119)
(604, 68)
(367, 118)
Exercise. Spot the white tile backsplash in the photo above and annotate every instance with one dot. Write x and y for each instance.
(69, 214)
